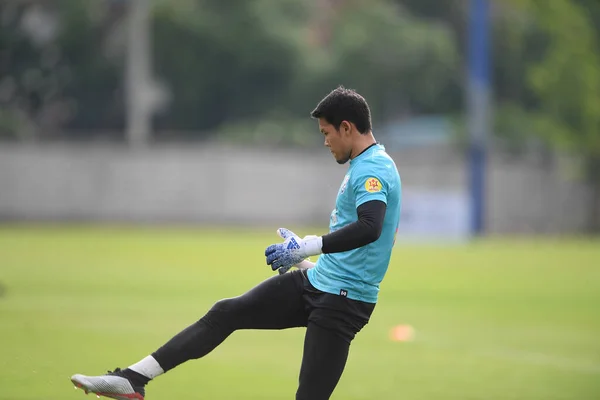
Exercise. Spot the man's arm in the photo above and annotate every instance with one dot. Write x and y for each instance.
(360, 233)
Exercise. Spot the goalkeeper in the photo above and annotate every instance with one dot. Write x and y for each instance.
(333, 298)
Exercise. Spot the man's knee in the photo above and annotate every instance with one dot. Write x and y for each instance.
(224, 313)
(227, 305)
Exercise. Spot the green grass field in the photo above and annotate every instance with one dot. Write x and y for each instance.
(503, 319)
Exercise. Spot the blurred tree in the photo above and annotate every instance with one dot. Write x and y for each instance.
(402, 64)
(54, 75)
(516, 43)
(452, 13)
(237, 62)
(269, 61)
(28, 84)
(225, 61)
(566, 83)
(15, 51)
(242, 62)
(95, 79)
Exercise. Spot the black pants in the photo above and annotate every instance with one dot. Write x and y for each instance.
(280, 302)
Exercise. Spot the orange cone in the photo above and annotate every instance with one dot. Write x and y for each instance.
(402, 333)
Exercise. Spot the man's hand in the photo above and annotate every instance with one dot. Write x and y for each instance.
(292, 251)
(284, 234)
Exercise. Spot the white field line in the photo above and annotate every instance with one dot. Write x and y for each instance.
(523, 357)
(541, 359)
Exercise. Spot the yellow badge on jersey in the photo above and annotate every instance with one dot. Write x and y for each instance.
(373, 185)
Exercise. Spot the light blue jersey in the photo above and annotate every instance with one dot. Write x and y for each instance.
(357, 273)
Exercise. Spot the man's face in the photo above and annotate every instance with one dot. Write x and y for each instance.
(338, 140)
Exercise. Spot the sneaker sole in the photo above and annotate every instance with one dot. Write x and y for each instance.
(86, 389)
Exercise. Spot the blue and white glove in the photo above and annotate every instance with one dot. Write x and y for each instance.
(286, 233)
(292, 251)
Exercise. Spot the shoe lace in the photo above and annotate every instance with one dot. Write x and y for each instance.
(116, 371)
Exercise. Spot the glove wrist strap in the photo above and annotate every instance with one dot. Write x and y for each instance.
(313, 245)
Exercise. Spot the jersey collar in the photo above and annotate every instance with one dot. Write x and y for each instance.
(364, 152)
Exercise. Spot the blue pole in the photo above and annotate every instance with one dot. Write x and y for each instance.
(478, 110)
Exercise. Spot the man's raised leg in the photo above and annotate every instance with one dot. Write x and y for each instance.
(276, 303)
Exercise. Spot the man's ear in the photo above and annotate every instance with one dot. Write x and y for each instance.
(345, 127)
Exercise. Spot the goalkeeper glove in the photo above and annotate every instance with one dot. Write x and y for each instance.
(293, 250)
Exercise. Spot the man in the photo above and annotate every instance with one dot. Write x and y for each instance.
(333, 298)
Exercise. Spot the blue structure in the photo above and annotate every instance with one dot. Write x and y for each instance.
(478, 109)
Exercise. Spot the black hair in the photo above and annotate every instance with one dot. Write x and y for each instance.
(344, 105)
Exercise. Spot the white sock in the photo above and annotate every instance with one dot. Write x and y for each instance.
(148, 367)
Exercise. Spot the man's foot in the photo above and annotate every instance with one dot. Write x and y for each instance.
(115, 385)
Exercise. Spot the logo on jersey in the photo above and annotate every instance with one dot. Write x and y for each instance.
(344, 184)
(373, 185)
(334, 217)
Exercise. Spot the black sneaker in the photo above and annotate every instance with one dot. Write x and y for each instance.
(114, 385)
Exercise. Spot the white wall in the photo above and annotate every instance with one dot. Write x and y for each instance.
(232, 185)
